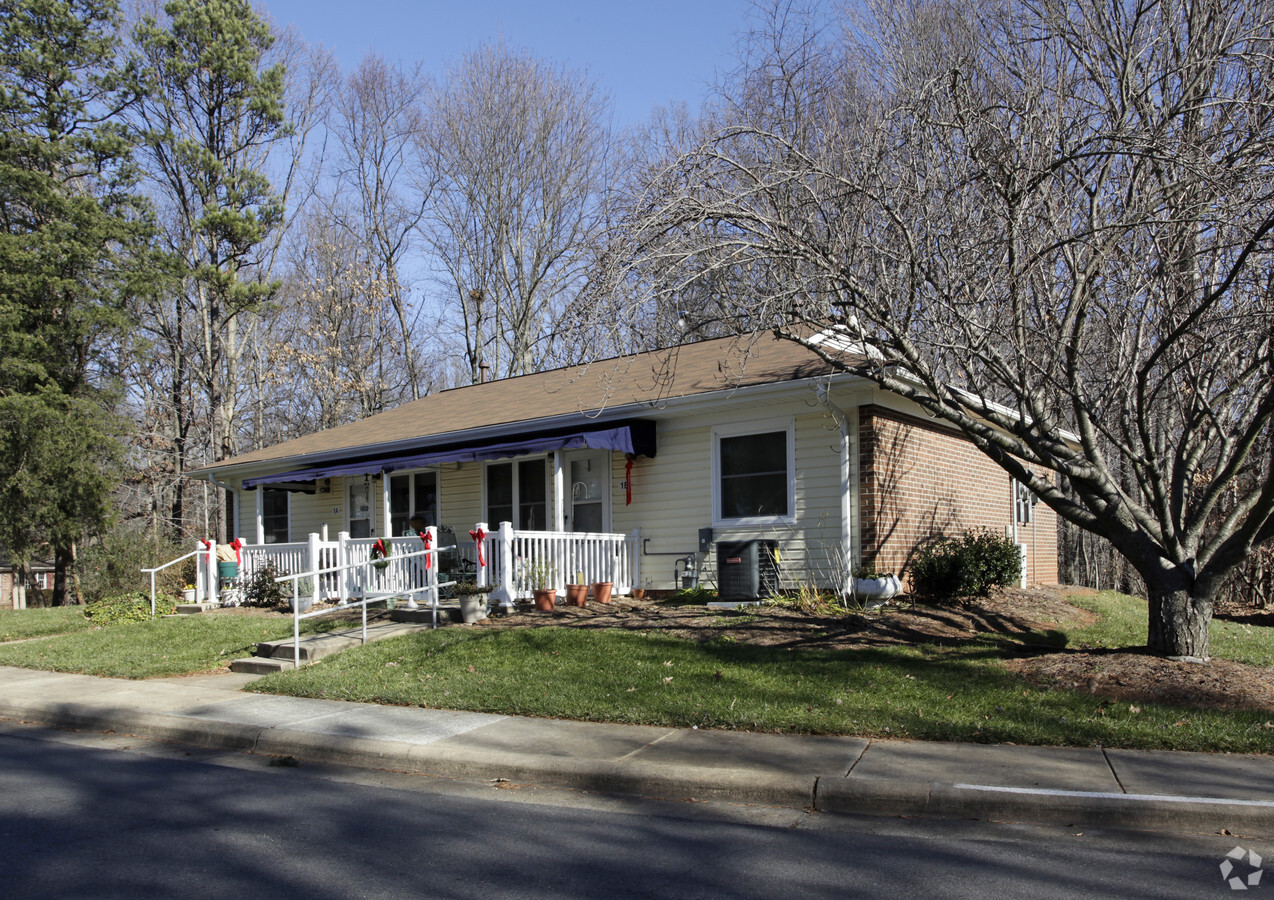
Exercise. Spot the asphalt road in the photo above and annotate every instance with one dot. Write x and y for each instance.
(107, 816)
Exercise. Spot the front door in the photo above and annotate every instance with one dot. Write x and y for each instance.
(359, 504)
(588, 472)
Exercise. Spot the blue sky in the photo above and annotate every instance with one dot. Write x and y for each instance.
(642, 54)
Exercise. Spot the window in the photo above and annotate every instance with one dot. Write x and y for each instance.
(413, 497)
(1023, 503)
(518, 493)
(274, 516)
(753, 474)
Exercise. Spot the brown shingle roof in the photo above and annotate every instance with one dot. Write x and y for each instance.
(644, 379)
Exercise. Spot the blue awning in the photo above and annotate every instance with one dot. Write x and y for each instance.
(637, 438)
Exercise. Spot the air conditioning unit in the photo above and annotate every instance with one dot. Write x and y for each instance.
(746, 570)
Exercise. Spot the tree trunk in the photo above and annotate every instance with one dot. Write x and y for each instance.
(1178, 622)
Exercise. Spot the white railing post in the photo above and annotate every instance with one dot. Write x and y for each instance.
(431, 569)
(505, 592)
(345, 583)
(315, 563)
(214, 577)
(201, 573)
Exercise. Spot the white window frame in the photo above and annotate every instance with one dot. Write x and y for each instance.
(517, 484)
(742, 429)
(1024, 501)
(288, 495)
(411, 474)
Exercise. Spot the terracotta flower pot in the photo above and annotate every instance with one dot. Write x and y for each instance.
(639, 593)
(602, 591)
(576, 594)
(545, 601)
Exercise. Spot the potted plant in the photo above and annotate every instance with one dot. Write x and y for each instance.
(188, 594)
(473, 600)
(302, 600)
(577, 593)
(873, 588)
(542, 576)
(602, 591)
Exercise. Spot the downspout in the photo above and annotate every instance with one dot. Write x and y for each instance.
(846, 503)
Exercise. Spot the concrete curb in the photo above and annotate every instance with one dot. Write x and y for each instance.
(830, 793)
(836, 793)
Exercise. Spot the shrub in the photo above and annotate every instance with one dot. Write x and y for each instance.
(262, 590)
(113, 566)
(132, 607)
(967, 566)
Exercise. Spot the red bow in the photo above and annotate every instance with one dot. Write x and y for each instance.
(207, 545)
(628, 483)
(378, 549)
(424, 536)
(479, 536)
(237, 543)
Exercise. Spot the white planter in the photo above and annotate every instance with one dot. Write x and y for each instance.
(473, 607)
(875, 591)
(188, 596)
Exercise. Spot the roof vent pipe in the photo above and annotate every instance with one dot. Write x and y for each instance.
(484, 373)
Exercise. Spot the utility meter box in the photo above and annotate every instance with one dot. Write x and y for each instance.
(705, 541)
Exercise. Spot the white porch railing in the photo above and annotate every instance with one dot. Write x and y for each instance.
(510, 562)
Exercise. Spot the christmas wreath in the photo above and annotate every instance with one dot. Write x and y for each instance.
(381, 553)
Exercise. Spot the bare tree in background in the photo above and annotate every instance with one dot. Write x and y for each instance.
(335, 353)
(1048, 224)
(226, 106)
(517, 148)
(379, 177)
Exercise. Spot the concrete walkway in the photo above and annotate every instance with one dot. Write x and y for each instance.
(1195, 792)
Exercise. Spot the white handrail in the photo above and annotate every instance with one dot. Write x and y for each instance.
(431, 586)
(160, 568)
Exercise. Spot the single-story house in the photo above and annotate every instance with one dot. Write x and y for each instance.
(13, 589)
(704, 461)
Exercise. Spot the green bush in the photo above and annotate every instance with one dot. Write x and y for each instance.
(134, 607)
(966, 566)
(113, 566)
(262, 590)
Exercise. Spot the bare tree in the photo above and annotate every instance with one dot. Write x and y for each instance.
(518, 149)
(378, 114)
(1048, 224)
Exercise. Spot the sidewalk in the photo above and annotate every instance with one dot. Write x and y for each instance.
(1157, 790)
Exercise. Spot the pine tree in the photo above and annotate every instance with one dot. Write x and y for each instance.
(71, 235)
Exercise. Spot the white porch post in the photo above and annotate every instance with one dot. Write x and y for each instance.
(559, 493)
(201, 574)
(386, 529)
(260, 492)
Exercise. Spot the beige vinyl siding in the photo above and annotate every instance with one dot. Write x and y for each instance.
(672, 499)
(460, 497)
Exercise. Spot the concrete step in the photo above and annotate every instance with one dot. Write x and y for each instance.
(317, 646)
(256, 665)
(194, 609)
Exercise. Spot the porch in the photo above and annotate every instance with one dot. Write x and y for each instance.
(512, 562)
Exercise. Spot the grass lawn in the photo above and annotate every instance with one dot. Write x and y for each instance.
(928, 692)
(20, 624)
(176, 645)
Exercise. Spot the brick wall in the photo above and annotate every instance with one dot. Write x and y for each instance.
(919, 482)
